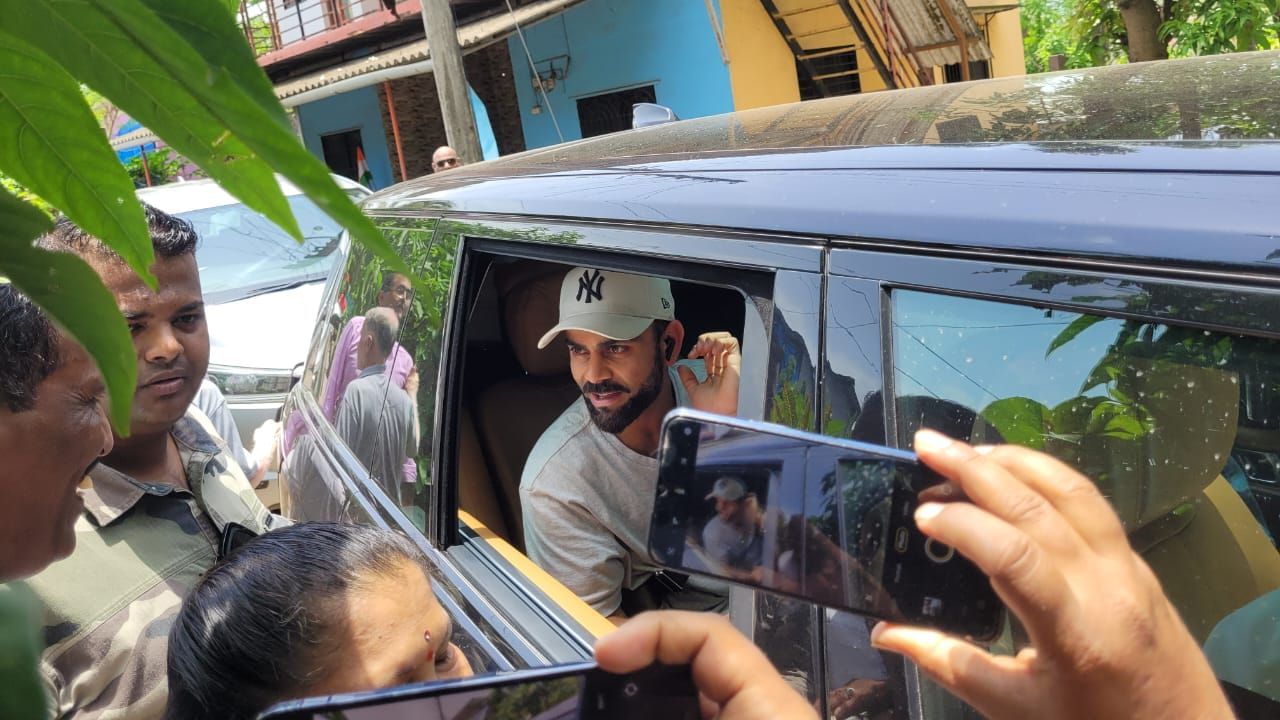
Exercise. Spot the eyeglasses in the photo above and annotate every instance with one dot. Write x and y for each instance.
(447, 162)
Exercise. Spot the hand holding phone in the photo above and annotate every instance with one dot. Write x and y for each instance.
(736, 681)
(1106, 642)
(828, 520)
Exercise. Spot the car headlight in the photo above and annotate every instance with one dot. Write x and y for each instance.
(250, 383)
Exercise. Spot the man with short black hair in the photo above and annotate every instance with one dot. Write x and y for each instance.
(159, 503)
(53, 429)
(377, 419)
(588, 484)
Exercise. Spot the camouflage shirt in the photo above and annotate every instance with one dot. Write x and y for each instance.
(139, 548)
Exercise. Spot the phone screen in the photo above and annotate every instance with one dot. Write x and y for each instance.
(827, 520)
(576, 692)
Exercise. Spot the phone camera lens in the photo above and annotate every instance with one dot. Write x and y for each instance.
(630, 689)
(688, 430)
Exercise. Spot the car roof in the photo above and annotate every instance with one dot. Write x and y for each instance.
(1084, 163)
(188, 195)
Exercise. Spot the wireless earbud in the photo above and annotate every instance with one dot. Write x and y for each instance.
(670, 345)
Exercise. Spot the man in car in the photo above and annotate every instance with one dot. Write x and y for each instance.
(396, 294)
(376, 418)
(587, 487)
(159, 503)
(444, 158)
(734, 536)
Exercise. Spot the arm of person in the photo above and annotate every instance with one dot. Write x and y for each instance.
(213, 404)
(348, 419)
(565, 539)
(736, 681)
(722, 359)
(1105, 640)
(340, 371)
(411, 387)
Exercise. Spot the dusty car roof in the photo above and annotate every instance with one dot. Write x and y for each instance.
(1198, 140)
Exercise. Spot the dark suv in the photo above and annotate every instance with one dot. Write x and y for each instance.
(1086, 263)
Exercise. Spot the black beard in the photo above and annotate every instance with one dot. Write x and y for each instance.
(615, 421)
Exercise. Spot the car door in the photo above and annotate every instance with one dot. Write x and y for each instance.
(323, 477)
(1150, 384)
(488, 391)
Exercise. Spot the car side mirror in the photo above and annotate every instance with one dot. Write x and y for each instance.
(645, 114)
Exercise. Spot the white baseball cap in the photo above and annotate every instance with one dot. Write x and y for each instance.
(616, 305)
(727, 488)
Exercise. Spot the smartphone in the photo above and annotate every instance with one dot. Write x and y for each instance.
(827, 520)
(567, 692)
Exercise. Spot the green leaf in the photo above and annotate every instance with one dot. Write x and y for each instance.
(120, 65)
(74, 296)
(23, 696)
(161, 50)
(1071, 416)
(1126, 427)
(51, 143)
(1020, 420)
(1077, 326)
(213, 32)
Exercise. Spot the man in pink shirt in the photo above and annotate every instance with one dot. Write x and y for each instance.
(396, 294)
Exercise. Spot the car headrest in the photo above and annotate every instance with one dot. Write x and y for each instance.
(1194, 411)
(529, 293)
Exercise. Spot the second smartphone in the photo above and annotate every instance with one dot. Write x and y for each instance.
(827, 520)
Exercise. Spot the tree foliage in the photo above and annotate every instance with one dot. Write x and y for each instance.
(185, 71)
(161, 167)
(1089, 33)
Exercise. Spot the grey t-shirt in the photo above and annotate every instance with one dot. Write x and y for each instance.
(213, 404)
(382, 437)
(586, 499)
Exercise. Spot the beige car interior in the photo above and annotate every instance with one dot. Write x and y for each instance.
(508, 417)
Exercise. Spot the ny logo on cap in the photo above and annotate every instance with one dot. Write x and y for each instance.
(590, 283)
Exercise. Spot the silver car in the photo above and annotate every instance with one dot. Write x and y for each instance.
(261, 288)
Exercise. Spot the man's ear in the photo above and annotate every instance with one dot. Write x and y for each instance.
(672, 340)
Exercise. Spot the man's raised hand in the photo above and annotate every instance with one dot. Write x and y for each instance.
(722, 357)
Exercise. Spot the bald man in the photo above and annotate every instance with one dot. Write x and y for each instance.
(444, 158)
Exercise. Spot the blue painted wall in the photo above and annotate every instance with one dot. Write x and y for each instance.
(616, 44)
(349, 111)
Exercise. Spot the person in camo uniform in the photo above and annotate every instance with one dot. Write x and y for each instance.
(159, 501)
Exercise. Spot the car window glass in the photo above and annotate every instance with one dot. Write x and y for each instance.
(405, 424)
(243, 253)
(1180, 428)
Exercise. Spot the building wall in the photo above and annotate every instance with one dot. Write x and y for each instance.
(618, 44)
(353, 110)
(1004, 34)
(762, 70)
(418, 110)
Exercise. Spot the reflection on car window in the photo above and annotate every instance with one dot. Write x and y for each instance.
(1180, 428)
(242, 252)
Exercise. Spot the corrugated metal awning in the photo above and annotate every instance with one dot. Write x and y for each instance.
(134, 139)
(920, 34)
(472, 36)
(928, 30)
